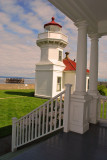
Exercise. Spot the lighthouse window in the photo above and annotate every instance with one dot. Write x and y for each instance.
(60, 56)
(58, 83)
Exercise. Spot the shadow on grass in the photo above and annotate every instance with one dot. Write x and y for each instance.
(28, 94)
(5, 131)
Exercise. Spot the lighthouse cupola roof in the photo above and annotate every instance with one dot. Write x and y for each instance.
(53, 26)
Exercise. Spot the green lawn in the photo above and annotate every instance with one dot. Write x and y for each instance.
(105, 90)
(17, 103)
(101, 112)
(105, 104)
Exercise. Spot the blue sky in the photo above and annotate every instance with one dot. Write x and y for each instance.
(20, 23)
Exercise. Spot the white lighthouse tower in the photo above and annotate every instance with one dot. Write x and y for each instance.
(49, 71)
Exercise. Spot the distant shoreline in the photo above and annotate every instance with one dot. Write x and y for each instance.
(17, 77)
(11, 86)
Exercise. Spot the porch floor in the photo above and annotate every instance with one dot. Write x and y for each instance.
(70, 146)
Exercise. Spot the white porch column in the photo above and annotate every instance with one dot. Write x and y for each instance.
(81, 58)
(66, 106)
(80, 100)
(93, 81)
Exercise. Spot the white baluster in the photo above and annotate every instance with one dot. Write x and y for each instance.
(26, 128)
(39, 122)
(29, 127)
(32, 125)
(43, 120)
(55, 113)
(20, 132)
(47, 118)
(51, 116)
(17, 140)
(14, 147)
(99, 109)
(23, 132)
(103, 110)
(60, 110)
(106, 109)
(36, 118)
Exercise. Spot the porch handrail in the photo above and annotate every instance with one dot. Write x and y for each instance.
(47, 118)
(43, 120)
(103, 97)
(42, 105)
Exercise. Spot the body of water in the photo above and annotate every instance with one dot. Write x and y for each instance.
(26, 81)
(32, 80)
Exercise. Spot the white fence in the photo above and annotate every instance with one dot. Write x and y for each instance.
(102, 109)
(44, 120)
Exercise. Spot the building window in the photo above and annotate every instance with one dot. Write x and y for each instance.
(58, 83)
(60, 56)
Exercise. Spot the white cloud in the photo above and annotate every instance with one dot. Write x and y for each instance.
(1, 27)
(19, 29)
(43, 9)
(18, 49)
(18, 59)
(4, 18)
(11, 7)
(32, 20)
(68, 24)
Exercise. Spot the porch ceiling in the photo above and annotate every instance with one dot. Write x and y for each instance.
(94, 12)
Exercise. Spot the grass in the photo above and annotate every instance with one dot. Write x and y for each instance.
(17, 103)
(16, 93)
(101, 112)
(105, 90)
(105, 104)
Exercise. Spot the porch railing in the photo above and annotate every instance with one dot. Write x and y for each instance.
(102, 109)
(44, 120)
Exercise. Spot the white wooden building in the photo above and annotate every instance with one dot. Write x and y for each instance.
(49, 71)
(53, 72)
(76, 111)
(69, 73)
(90, 18)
